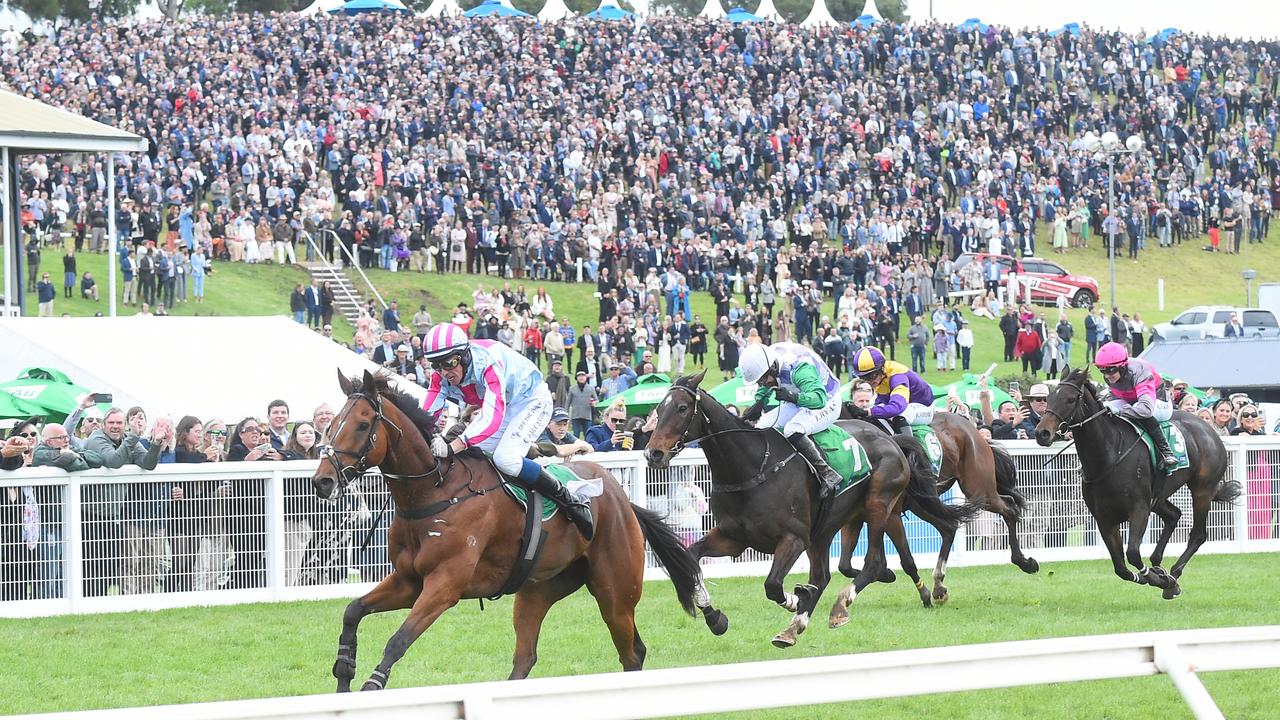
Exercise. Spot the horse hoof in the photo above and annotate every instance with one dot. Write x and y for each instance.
(1029, 566)
(836, 623)
(370, 686)
(717, 622)
(784, 640)
(887, 576)
(941, 598)
(1172, 591)
(849, 571)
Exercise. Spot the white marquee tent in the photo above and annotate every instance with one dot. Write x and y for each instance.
(769, 12)
(871, 9)
(226, 367)
(554, 10)
(819, 16)
(713, 10)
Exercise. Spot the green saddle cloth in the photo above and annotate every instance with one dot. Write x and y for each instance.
(845, 455)
(932, 446)
(521, 495)
(1172, 434)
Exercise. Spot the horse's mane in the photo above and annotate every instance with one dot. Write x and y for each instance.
(687, 382)
(1080, 377)
(405, 403)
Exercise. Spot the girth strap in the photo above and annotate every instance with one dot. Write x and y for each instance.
(434, 508)
(531, 543)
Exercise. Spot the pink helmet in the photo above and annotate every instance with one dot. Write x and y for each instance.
(1111, 355)
(443, 340)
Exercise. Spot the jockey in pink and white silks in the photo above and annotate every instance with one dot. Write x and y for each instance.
(1135, 393)
(514, 408)
(808, 397)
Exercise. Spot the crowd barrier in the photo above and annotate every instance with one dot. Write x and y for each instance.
(225, 533)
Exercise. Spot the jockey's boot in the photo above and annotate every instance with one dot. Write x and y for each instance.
(1164, 456)
(828, 478)
(901, 426)
(577, 509)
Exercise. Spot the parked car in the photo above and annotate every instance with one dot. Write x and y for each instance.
(1204, 321)
(1049, 280)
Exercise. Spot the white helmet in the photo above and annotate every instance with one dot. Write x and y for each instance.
(756, 360)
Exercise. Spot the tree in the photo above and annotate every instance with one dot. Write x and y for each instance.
(78, 10)
(794, 11)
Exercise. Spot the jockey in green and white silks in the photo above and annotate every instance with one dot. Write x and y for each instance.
(808, 397)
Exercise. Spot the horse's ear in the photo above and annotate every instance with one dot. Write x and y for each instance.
(344, 382)
(369, 386)
(1066, 371)
(693, 381)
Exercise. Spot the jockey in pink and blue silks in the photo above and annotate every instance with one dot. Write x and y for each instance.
(514, 408)
(1135, 394)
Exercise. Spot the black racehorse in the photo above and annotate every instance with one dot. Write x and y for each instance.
(1117, 478)
(764, 497)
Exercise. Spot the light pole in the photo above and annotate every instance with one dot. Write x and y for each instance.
(1109, 146)
(1249, 274)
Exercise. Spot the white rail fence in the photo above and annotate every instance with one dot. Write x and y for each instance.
(778, 683)
(225, 533)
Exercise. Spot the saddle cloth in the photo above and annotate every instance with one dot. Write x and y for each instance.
(932, 446)
(845, 455)
(583, 488)
(1172, 434)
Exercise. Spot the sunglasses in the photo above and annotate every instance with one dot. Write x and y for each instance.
(446, 364)
(27, 434)
(250, 430)
(218, 433)
(1248, 416)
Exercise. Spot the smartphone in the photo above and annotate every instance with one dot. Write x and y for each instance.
(101, 398)
(1014, 387)
(264, 447)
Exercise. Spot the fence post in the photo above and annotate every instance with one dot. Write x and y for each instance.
(1240, 509)
(72, 544)
(640, 479)
(275, 533)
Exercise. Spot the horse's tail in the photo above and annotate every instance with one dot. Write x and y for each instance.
(1228, 491)
(672, 555)
(922, 491)
(1007, 479)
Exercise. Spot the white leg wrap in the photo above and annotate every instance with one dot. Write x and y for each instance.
(701, 597)
(791, 602)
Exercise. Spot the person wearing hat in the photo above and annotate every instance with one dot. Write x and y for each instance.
(903, 398)
(402, 363)
(941, 346)
(557, 441)
(964, 342)
(1037, 402)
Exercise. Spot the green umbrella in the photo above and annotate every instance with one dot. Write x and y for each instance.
(11, 408)
(41, 391)
(967, 390)
(644, 396)
(735, 392)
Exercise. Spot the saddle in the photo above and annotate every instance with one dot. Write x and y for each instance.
(845, 455)
(1172, 434)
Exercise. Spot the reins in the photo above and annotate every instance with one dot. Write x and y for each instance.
(1075, 426)
(761, 476)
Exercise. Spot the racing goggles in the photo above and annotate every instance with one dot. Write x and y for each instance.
(446, 363)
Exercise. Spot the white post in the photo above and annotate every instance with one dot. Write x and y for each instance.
(275, 533)
(1240, 510)
(73, 544)
(1160, 292)
(1171, 661)
(112, 262)
(7, 231)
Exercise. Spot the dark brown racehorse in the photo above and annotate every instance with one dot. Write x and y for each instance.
(764, 497)
(1117, 472)
(456, 535)
(988, 478)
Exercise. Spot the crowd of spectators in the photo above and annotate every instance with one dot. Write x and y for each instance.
(846, 164)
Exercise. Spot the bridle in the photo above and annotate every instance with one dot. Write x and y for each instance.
(347, 474)
(1066, 422)
(681, 442)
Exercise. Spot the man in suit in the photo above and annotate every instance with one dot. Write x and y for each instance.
(913, 304)
(1233, 328)
(386, 350)
(313, 304)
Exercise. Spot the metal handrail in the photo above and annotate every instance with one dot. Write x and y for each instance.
(330, 266)
(337, 241)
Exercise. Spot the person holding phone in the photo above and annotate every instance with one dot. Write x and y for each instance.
(249, 445)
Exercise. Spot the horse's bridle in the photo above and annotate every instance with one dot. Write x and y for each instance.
(681, 442)
(1066, 422)
(348, 473)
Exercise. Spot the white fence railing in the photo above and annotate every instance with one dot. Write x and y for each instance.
(181, 535)
(690, 691)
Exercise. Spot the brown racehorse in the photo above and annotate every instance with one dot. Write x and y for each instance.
(456, 535)
(764, 497)
(987, 476)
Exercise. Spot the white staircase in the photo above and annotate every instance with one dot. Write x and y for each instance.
(346, 296)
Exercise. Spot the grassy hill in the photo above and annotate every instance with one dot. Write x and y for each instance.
(1191, 277)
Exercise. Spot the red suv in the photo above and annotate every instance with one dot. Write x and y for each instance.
(1049, 280)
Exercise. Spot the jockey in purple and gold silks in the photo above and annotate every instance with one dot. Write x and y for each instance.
(903, 398)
